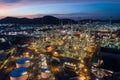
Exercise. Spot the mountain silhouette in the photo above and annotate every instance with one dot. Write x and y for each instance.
(43, 20)
(48, 20)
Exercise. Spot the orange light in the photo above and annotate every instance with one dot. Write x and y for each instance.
(85, 70)
(36, 50)
(82, 65)
(49, 49)
(82, 61)
(82, 78)
(114, 35)
(27, 53)
(56, 54)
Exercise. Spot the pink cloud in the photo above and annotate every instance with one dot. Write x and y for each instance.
(4, 8)
(10, 4)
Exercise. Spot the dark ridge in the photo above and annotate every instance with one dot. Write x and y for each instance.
(51, 20)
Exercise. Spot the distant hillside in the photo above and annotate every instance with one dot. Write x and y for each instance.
(43, 20)
(48, 20)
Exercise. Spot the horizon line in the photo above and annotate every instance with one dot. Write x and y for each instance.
(73, 18)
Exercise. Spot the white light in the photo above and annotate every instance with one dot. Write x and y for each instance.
(97, 79)
(27, 61)
(24, 73)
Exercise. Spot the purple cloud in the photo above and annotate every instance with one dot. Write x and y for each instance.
(55, 1)
(9, 4)
(51, 1)
(11, 1)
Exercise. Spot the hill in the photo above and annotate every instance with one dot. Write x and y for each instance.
(49, 20)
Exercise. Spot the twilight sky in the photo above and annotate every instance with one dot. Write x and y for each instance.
(99, 9)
